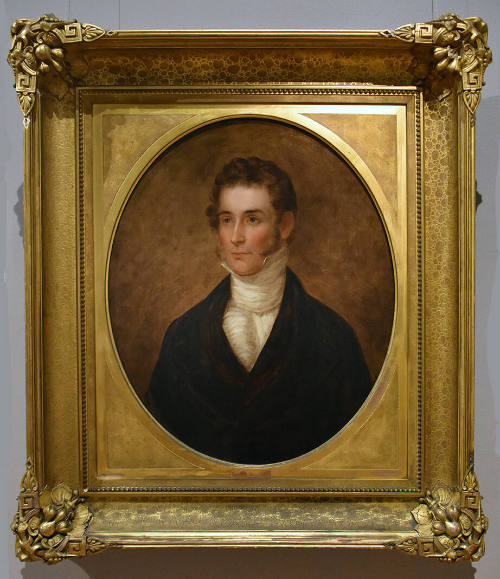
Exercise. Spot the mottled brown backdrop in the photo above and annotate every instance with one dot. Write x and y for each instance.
(163, 257)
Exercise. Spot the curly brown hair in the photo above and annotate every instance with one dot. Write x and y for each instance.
(254, 171)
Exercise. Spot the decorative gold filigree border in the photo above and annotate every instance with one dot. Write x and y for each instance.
(50, 525)
(459, 47)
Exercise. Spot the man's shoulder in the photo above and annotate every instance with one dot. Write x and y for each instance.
(317, 314)
(214, 301)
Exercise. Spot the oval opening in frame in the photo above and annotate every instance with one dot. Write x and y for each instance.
(187, 335)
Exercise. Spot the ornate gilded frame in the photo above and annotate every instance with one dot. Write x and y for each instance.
(67, 75)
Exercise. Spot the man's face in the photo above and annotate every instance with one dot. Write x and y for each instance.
(248, 227)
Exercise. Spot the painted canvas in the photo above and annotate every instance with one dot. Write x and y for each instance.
(251, 291)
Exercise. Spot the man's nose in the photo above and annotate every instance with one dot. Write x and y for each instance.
(238, 233)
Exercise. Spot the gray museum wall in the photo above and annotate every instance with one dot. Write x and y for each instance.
(243, 563)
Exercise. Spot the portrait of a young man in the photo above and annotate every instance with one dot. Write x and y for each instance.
(259, 371)
(251, 294)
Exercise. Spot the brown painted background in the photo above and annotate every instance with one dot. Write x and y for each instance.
(163, 258)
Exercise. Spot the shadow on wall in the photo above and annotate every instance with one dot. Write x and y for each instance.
(19, 210)
(249, 563)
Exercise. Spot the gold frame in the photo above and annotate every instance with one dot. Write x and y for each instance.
(67, 76)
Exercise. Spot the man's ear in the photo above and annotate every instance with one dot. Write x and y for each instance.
(286, 225)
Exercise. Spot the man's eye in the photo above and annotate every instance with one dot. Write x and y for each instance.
(225, 220)
(253, 219)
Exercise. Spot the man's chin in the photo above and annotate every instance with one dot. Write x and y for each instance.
(243, 272)
(239, 267)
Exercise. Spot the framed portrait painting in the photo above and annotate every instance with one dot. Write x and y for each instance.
(249, 288)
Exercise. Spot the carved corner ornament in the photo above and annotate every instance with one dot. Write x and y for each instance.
(459, 47)
(450, 523)
(38, 47)
(50, 525)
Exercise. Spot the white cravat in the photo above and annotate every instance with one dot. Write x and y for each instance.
(253, 307)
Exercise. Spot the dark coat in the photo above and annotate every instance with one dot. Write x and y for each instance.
(308, 382)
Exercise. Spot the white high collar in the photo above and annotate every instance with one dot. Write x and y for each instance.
(262, 291)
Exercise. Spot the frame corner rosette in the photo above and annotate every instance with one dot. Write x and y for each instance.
(450, 523)
(51, 525)
(459, 48)
(38, 48)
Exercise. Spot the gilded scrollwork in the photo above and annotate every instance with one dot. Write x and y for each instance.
(38, 47)
(50, 525)
(450, 523)
(459, 47)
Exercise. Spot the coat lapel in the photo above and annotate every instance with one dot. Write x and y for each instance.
(275, 370)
